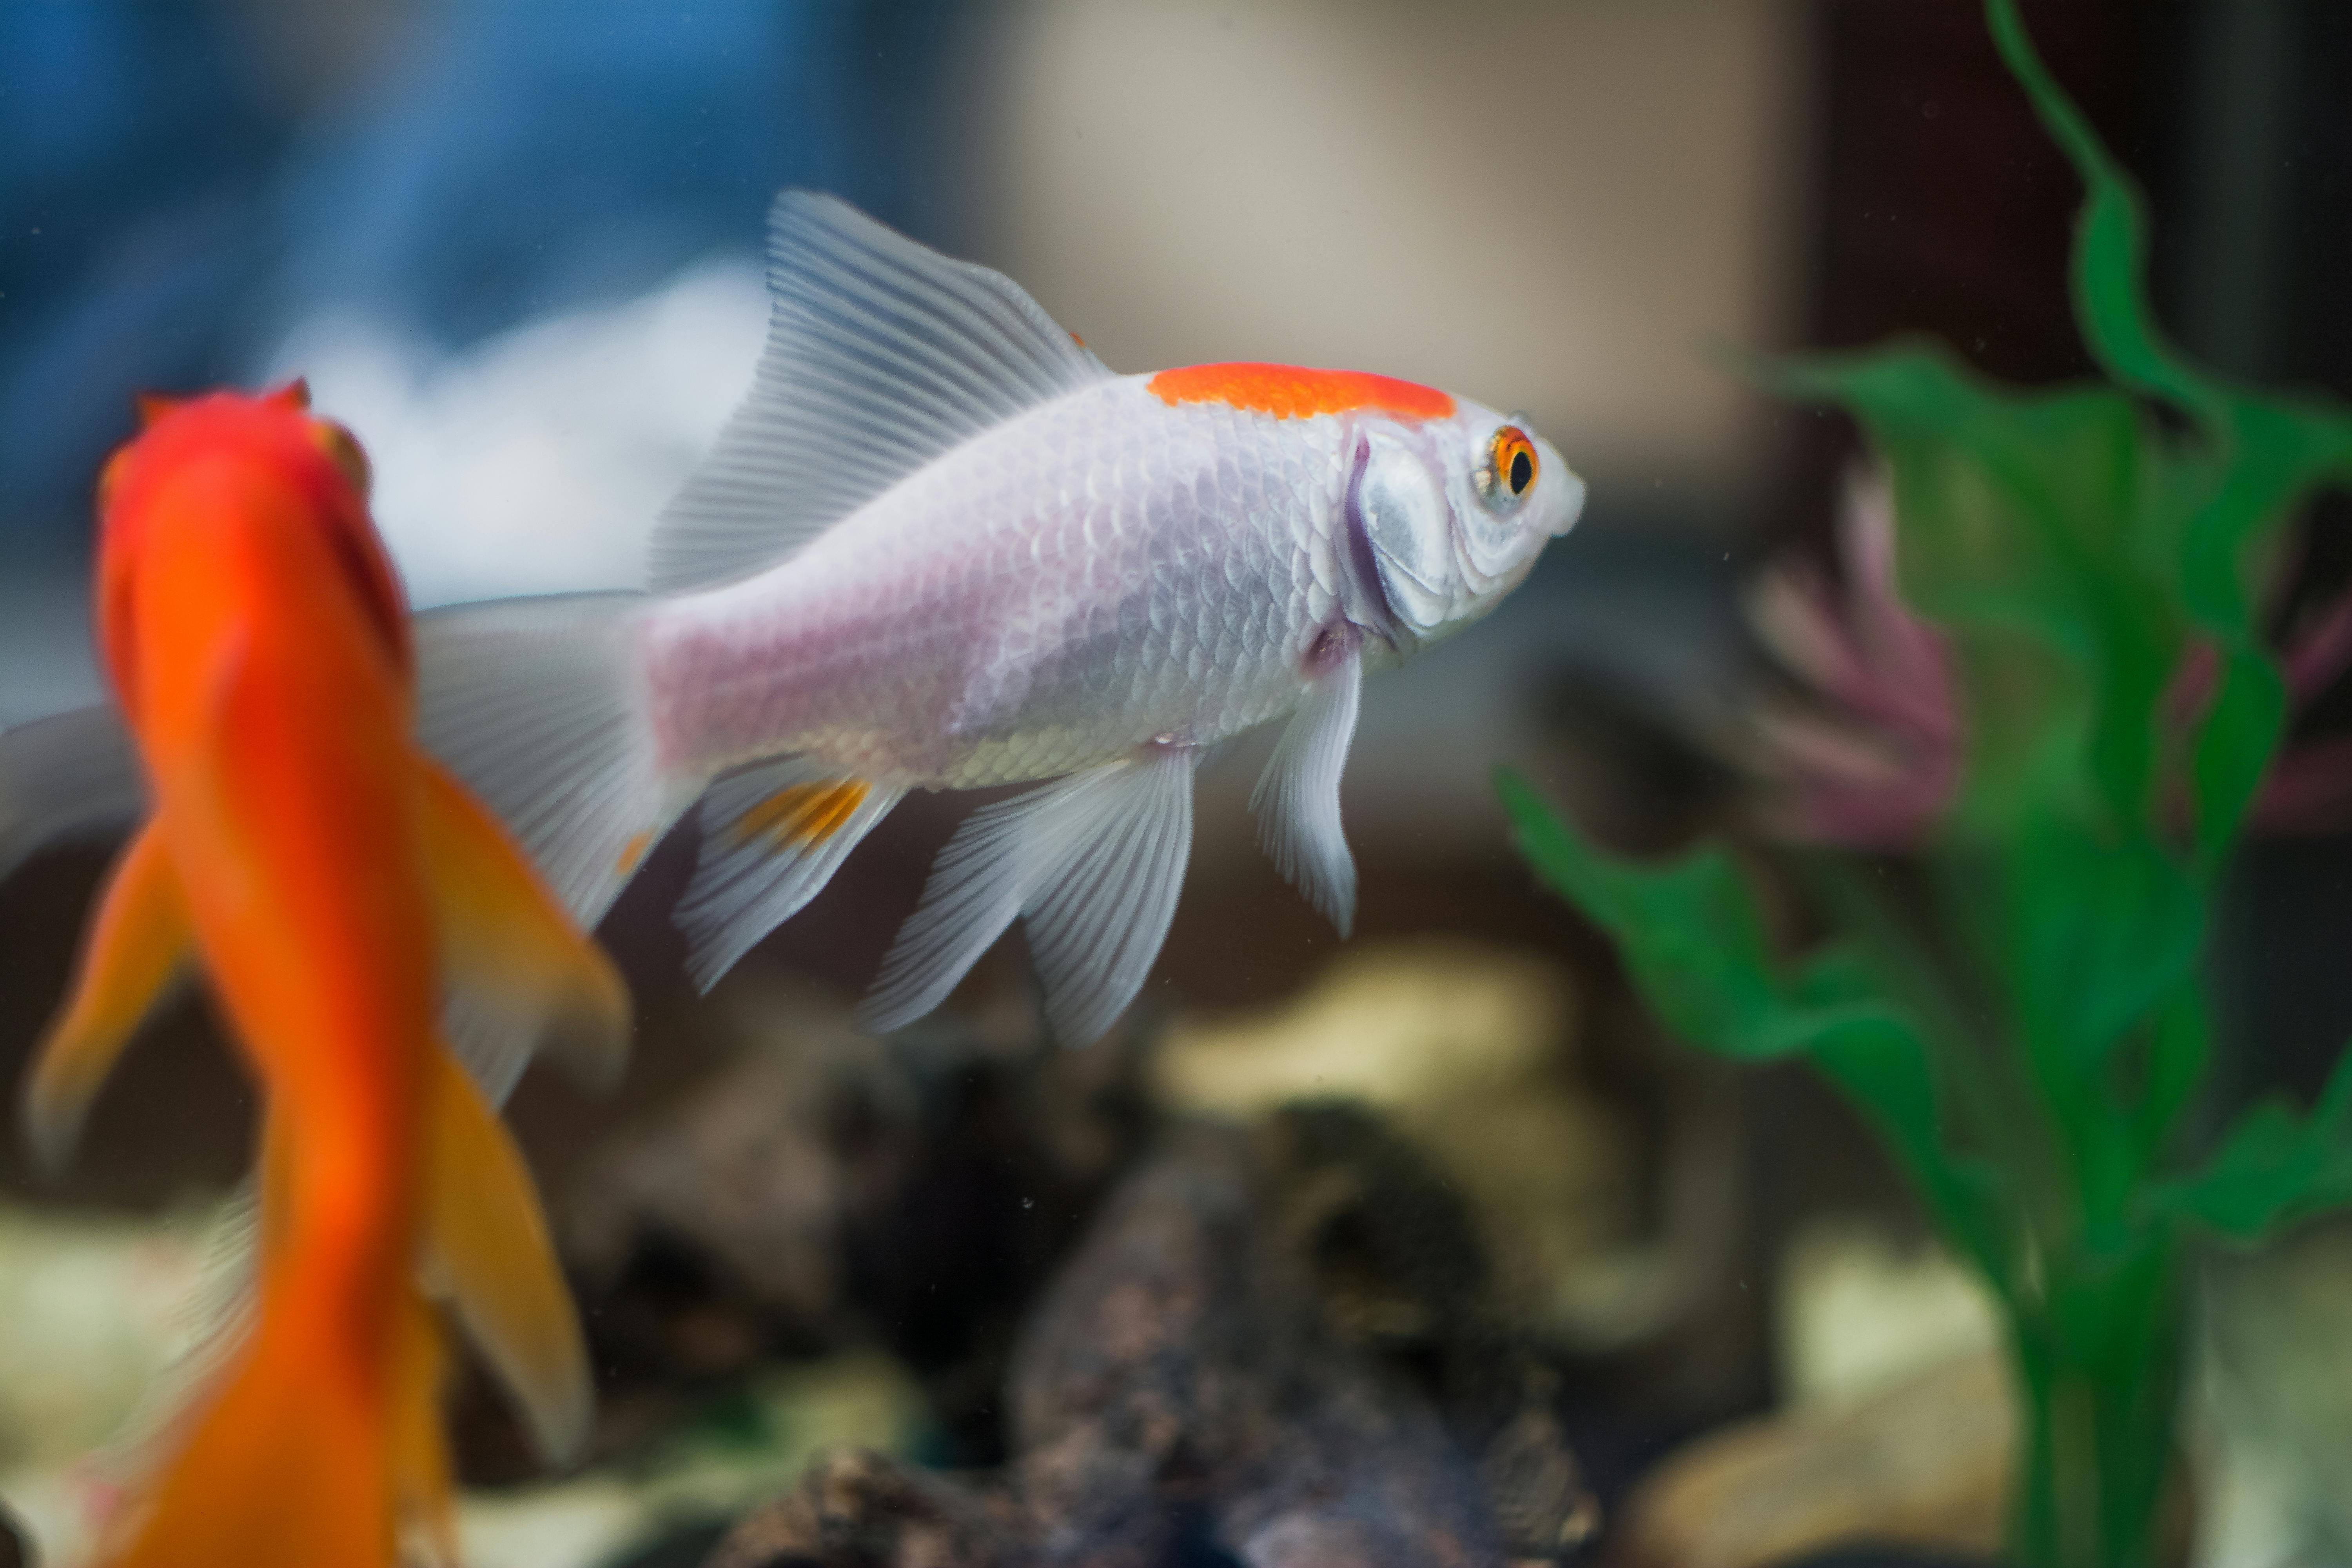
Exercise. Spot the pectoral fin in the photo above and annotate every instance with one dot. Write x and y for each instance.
(138, 941)
(1297, 798)
(520, 970)
(487, 1246)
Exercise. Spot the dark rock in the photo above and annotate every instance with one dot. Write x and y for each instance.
(1197, 1357)
(863, 1510)
(827, 1189)
(1273, 1347)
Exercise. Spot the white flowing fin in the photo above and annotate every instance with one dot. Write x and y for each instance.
(1297, 800)
(540, 706)
(1095, 859)
(73, 776)
(1097, 921)
(882, 354)
(772, 836)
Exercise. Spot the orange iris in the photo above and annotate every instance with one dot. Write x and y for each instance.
(1512, 461)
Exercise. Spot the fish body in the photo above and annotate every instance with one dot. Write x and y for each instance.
(314, 865)
(1108, 570)
(941, 546)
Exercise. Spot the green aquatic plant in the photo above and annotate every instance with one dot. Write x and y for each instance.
(2019, 1006)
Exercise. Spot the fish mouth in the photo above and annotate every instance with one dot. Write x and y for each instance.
(1573, 508)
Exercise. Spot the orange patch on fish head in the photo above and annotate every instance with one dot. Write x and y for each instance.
(1292, 392)
(803, 813)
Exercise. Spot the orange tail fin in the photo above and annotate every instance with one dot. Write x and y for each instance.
(307, 1458)
(315, 1448)
(137, 942)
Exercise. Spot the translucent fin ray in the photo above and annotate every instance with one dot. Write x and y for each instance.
(1296, 801)
(138, 944)
(538, 706)
(487, 1244)
(772, 836)
(1096, 926)
(1096, 861)
(519, 971)
(882, 354)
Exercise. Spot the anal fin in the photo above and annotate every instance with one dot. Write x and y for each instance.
(1094, 861)
(486, 1244)
(138, 941)
(772, 836)
(1297, 800)
(518, 970)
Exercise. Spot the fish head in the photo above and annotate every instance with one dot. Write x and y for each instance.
(1454, 512)
(268, 455)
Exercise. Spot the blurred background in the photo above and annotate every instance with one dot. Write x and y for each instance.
(515, 246)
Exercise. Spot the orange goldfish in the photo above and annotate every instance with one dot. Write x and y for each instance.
(335, 885)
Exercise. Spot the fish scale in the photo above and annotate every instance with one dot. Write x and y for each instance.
(1169, 582)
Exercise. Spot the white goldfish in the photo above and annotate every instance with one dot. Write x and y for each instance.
(941, 546)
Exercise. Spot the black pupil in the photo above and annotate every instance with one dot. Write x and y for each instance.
(1523, 469)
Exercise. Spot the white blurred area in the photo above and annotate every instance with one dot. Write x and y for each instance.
(535, 461)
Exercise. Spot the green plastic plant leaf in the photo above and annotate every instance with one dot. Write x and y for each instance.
(2274, 1166)
(1690, 932)
(2094, 937)
(2111, 240)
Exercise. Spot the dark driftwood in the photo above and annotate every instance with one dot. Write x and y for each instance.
(1214, 1370)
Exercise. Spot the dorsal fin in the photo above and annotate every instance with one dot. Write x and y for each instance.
(881, 356)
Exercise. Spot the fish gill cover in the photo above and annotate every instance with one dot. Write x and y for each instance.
(2020, 1007)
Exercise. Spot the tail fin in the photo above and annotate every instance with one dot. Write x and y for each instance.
(298, 1456)
(540, 706)
(69, 776)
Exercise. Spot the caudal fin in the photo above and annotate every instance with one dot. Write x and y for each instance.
(540, 706)
(305, 1456)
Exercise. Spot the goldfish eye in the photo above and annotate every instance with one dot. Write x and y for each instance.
(1511, 463)
(343, 450)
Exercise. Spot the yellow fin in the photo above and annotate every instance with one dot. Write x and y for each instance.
(137, 942)
(802, 812)
(507, 947)
(486, 1244)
